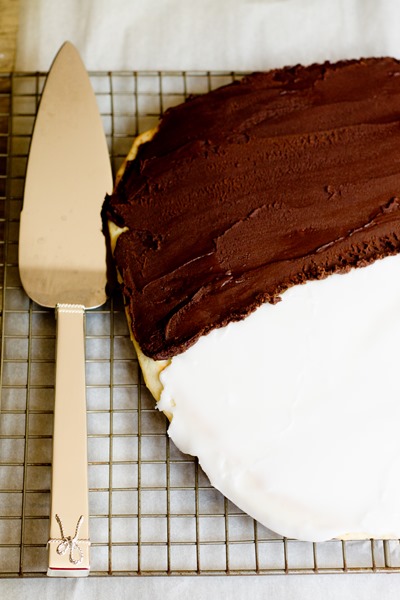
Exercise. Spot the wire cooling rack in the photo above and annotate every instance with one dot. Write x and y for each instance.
(152, 509)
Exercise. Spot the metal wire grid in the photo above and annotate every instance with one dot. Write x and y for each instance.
(152, 509)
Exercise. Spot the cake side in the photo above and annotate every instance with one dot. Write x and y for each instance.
(151, 368)
(269, 182)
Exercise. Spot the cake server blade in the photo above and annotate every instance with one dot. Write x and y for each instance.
(62, 263)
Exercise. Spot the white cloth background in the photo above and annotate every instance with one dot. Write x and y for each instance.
(216, 35)
(206, 34)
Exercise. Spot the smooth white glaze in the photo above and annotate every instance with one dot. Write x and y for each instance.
(294, 412)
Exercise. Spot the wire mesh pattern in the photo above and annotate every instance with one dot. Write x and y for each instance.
(152, 509)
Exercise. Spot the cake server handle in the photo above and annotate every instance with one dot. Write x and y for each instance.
(69, 515)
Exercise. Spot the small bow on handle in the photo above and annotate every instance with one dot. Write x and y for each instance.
(66, 542)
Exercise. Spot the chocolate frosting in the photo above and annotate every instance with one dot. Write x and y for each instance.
(280, 178)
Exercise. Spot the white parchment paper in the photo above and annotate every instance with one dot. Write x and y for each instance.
(206, 34)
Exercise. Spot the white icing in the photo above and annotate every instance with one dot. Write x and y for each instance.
(294, 412)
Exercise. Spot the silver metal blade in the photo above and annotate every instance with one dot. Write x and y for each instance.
(62, 253)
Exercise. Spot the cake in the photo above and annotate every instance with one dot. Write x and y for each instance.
(238, 228)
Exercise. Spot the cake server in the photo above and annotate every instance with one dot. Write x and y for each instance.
(62, 262)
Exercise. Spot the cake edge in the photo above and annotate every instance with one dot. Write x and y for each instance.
(151, 368)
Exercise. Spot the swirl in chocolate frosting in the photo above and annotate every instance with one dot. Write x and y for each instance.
(280, 178)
